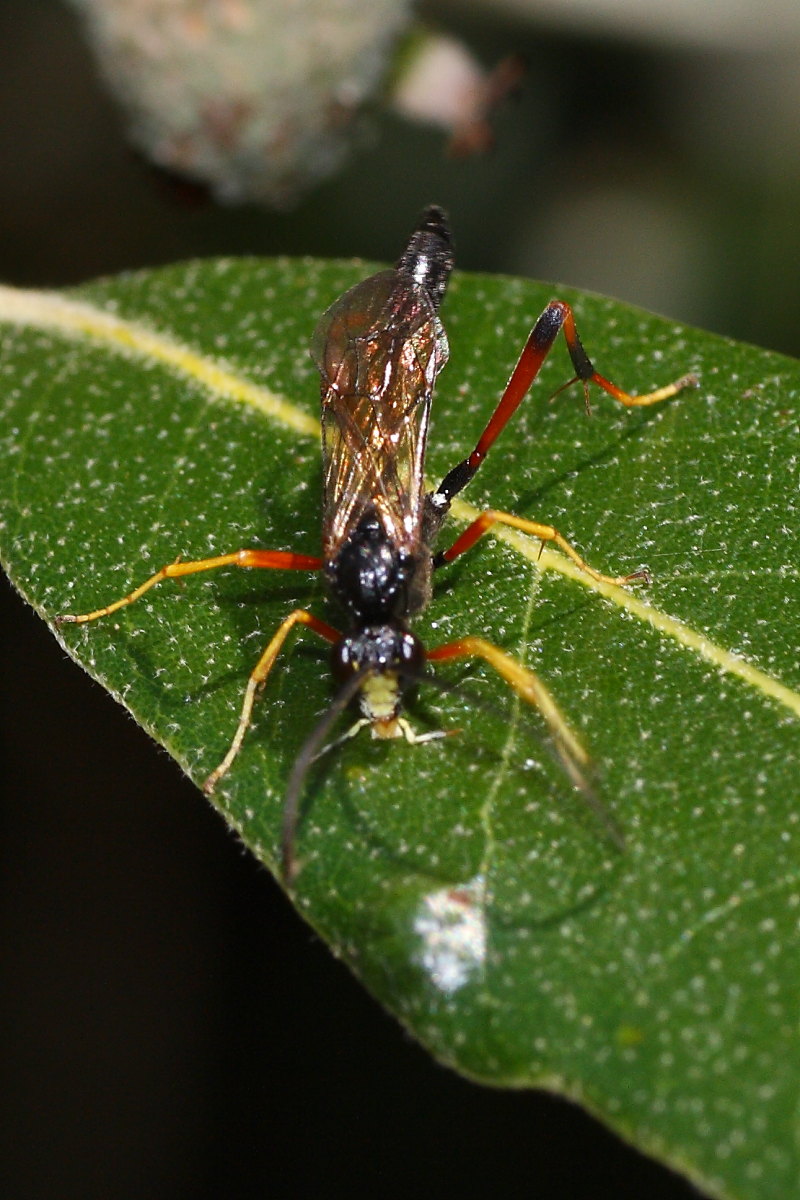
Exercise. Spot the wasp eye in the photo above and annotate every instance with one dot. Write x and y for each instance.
(411, 656)
(344, 661)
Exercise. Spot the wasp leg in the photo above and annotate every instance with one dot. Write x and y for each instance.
(571, 751)
(546, 533)
(273, 559)
(257, 680)
(557, 316)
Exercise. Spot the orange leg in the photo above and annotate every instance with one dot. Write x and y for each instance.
(546, 533)
(529, 687)
(557, 316)
(273, 559)
(258, 678)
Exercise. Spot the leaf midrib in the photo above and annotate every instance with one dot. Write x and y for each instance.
(79, 320)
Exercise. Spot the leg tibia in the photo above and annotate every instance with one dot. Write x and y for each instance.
(257, 680)
(529, 688)
(571, 751)
(273, 559)
(546, 533)
(557, 316)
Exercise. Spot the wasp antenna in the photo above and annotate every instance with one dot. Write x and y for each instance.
(309, 752)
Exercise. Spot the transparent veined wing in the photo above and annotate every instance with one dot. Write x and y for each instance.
(379, 349)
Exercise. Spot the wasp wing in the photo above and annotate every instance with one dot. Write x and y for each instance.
(379, 349)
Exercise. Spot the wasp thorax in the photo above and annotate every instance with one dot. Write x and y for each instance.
(371, 574)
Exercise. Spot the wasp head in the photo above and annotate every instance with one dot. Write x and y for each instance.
(388, 656)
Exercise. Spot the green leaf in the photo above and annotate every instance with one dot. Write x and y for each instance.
(174, 413)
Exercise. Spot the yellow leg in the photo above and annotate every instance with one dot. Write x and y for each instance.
(662, 393)
(530, 688)
(571, 751)
(546, 533)
(272, 559)
(257, 680)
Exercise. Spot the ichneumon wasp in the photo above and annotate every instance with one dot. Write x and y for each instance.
(379, 348)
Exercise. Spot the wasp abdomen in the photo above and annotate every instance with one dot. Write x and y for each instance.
(428, 257)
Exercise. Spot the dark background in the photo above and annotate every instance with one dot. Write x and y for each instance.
(168, 1027)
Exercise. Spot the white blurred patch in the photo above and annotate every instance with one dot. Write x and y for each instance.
(452, 926)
